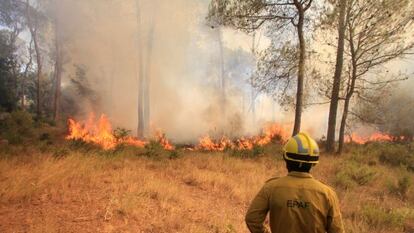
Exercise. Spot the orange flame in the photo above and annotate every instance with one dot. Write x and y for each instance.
(270, 132)
(164, 141)
(208, 144)
(375, 137)
(100, 133)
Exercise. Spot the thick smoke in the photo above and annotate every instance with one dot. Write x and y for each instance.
(184, 68)
(183, 65)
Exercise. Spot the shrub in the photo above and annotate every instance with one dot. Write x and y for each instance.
(121, 133)
(379, 217)
(395, 154)
(82, 146)
(401, 187)
(343, 180)
(173, 154)
(257, 150)
(361, 156)
(16, 127)
(253, 153)
(44, 137)
(154, 149)
(353, 173)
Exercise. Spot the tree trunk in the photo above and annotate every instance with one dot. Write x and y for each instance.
(33, 31)
(222, 74)
(140, 128)
(39, 78)
(343, 126)
(253, 91)
(350, 92)
(147, 82)
(58, 75)
(330, 140)
(301, 72)
(111, 92)
(253, 103)
(25, 76)
(22, 93)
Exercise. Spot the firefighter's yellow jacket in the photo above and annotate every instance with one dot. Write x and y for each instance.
(297, 203)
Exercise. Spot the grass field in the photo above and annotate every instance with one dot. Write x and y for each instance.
(67, 188)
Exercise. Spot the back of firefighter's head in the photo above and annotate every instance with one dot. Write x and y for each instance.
(301, 152)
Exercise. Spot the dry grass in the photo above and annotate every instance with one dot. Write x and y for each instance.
(198, 192)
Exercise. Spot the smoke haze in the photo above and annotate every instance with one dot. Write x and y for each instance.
(183, 65)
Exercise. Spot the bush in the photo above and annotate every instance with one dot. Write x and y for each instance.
(154, 149)
(17, 127)
(352, 174)
(253, 153)
(343, 180)
(401, 187)
(174, 154)
(379, 217)
(82, 146)
(121, 133)
(393, 154)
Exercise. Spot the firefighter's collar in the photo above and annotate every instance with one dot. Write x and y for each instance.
(300, 174)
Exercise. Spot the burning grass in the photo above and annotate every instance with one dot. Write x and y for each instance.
(374, 137)
(83, 191)
(100, 132)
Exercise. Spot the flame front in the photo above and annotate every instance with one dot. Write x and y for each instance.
(270, 132)
(375, 137)
(99, 133)
(162, 139)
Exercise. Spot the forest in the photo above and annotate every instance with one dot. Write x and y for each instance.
(168, 116)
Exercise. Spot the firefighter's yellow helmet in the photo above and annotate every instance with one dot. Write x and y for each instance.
(301, 148)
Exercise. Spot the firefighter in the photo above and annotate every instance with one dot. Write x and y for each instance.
(297, 203)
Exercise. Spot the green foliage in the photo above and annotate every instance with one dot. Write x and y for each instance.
(351, 174)
(401, 187)
(82, 146)
(397, 155)
(17, 127)
(379, 217)
(343, 180)
(154, 149)
(8, 77)
(174, 154)
(394, 154)
(253, 153)
(120, 133)
(44, 137)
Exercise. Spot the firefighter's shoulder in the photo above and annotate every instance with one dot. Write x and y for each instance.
(272, 179)
(327, 187)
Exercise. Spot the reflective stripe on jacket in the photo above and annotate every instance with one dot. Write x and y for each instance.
(297, 203)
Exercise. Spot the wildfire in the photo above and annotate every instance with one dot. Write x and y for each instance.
(375, 137)
(270, 132)
(164, 141)
(100, 133)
